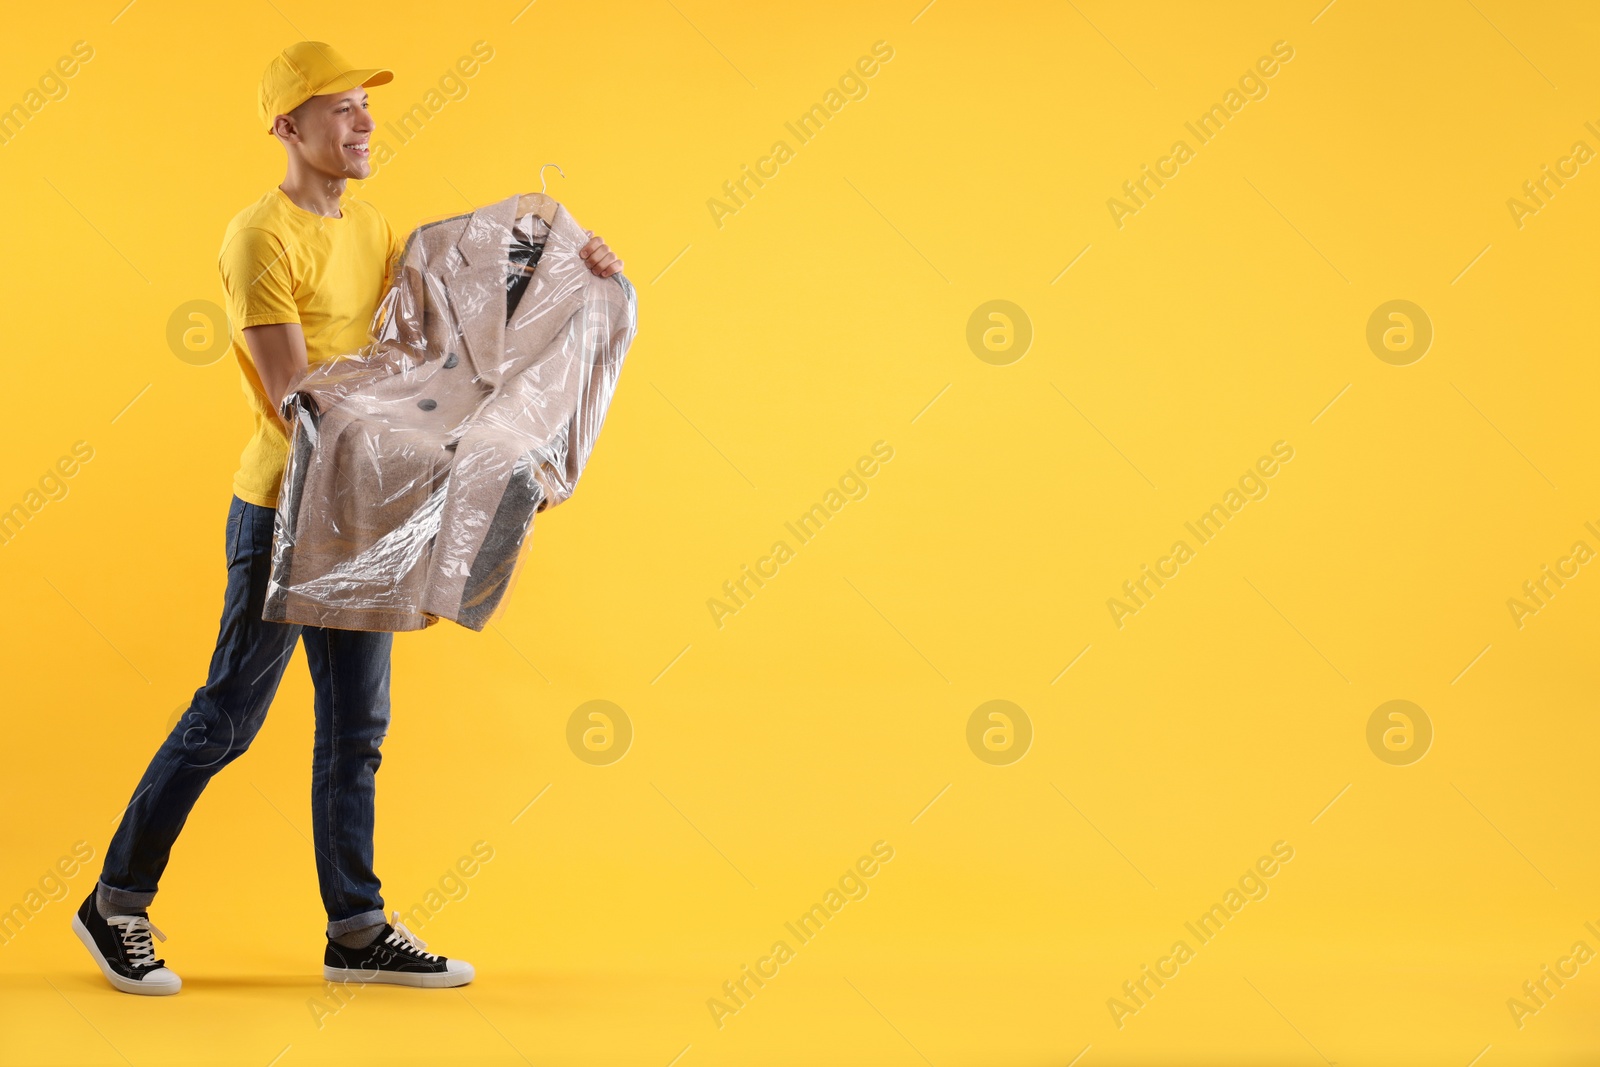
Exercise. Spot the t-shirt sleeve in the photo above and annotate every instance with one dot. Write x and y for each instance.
(257, 279)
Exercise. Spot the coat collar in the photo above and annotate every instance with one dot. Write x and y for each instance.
(478, 289)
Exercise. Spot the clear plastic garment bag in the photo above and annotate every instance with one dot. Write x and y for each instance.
(417, 464)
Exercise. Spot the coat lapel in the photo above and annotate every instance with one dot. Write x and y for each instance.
(478, 289)
(553, 295)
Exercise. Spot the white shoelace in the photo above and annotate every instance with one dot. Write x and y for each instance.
(136, 931)
(403, 936)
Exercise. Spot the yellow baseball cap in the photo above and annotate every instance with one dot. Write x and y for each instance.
(307, 69)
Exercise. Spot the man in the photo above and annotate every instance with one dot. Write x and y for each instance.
(303, 269)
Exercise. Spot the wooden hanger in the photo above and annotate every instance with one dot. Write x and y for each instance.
(540, 203)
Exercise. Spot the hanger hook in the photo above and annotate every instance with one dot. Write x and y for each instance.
(546, 167)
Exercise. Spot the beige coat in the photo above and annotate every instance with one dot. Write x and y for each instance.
(418, 465)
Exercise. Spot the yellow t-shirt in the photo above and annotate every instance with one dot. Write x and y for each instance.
(282, 263)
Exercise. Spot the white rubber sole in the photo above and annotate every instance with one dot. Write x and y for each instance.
(160, 983)
(446, 980)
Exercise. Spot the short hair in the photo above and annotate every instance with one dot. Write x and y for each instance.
(298, 112)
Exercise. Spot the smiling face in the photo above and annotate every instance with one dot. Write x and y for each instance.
(332, 133)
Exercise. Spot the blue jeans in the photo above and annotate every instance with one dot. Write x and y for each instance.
(350, 671)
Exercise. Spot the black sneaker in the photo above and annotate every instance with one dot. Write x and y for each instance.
(397, 958)
(122, 948)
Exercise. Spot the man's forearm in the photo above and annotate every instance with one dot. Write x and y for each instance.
(279, 353)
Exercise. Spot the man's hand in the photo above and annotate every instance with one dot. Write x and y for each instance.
(600, 260)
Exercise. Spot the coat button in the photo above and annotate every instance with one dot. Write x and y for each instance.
(427, 405)
(450, 361)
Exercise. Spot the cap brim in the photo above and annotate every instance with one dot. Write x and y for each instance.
(353, 78)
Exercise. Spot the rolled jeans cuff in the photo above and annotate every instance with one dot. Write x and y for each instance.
(355, 922)
(123, 898)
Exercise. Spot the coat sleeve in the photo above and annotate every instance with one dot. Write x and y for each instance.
(608, 330)
(554, 409)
